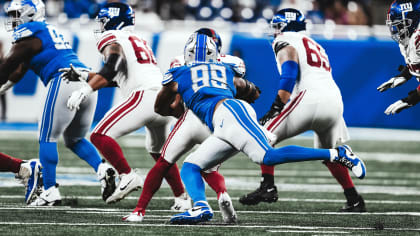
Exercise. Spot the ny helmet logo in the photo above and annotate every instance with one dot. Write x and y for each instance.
(406, 7)
(113, 11)
(290, 16)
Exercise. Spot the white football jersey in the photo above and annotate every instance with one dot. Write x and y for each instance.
(142, 71)
(411, 53)
(238, 62)
(314, 66)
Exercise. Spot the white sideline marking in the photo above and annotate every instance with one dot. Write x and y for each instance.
(234, 198)
(208, 226)
(118, 210)
(308, 231)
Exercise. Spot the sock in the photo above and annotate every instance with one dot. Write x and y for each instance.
(190, 174)
(48, 155)
(172, 177)
(8, 163)
(267, 179)
(87, 152)
(341, 174)
(351, 195)
(216, 181)
(269, 170)
(152, 184)
(111, 151)
(288, 154)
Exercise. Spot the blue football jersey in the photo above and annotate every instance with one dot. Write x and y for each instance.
(202, 85)
(56, 51)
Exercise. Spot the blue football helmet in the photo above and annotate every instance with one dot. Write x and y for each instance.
(23, 11)
(212, 34)
(288, 19)
(114, 16)
(403, 19)
(200, 48)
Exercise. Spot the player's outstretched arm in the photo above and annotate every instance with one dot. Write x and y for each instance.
(412, 99)
(168, 101)
(397, 80)
(246, 90)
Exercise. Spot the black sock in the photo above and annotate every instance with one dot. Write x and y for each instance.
(267, 179)
(351, 195)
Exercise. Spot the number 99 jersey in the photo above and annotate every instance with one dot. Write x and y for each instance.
(142, 72)
(314, 66)
(56, 51)
(202, 85)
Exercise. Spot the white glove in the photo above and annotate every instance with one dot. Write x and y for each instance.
(396, 107)
(78, 96)
(392, 83)
(6, 86)
(74, 74)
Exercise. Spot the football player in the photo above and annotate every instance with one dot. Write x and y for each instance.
(188, 132)
(208, 88)
(130, 64)
(40, 47)
(28, 172)
(403, 22)
(307, 99)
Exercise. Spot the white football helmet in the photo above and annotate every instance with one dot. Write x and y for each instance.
(200, 48)
(23, 11)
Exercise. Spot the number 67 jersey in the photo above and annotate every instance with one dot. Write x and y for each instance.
(142, 72)
(314, 66)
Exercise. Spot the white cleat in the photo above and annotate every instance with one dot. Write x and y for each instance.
(134, 217)
(49, 197)
(128, 183)
(106, 175)
(182, 203)
(30, 176)
(226, 208)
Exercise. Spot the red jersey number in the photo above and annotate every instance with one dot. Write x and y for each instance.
(315, 55)
(143, 52)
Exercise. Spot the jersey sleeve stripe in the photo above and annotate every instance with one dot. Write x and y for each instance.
(105, 41)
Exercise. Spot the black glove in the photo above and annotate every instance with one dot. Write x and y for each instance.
(274, 111)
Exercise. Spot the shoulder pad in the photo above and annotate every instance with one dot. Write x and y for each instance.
(279, 45)
(106, 39)
(177, 61)
(168, 77)
(27, 30)
(236, 70)
(234, 60)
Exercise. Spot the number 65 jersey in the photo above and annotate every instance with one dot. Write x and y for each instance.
(314, 66)
(142, 72)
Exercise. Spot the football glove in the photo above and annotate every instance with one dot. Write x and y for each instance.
(274, 111)
(412, 99)
(74, 74)
(6, 86)
(397, 80)
(78, 96)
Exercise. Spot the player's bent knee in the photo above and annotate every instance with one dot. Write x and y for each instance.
(71, 142)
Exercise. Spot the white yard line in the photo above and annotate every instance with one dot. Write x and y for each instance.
(308, 231)
(209, 226)
(236, 198)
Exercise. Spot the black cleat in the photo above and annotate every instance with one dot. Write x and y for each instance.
(265, 193)
(356, 206)
(109, 187)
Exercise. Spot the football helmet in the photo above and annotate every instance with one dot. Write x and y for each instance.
(213, 34)
(114, 16)
(200, 48)
(403, 19)
(288, 19)
(23, 11)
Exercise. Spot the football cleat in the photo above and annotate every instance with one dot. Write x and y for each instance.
(30, 175)
(226, 208)
(134, 217)
(265, 193)
(201, 212)
(182, 203)
(356, 206)
(106, 175)
(49, 197)
(128, 183)
(347, 158)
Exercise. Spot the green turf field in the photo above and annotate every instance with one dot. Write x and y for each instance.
(309, 198)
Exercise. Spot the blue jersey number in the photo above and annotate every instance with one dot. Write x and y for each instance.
(58, 39)
(208, 76)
